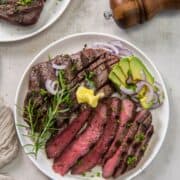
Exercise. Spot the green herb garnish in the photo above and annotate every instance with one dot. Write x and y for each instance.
(98, 174)
(131, 160)
(139, 137)
(143, 148)
(43, 92)
(129, 124)
(24, 2)
(89, 79)
(41, 136)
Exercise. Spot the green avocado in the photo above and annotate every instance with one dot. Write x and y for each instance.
(114, 79)
(124, 65)
(137, 68)
(144, 103)
(118, 72)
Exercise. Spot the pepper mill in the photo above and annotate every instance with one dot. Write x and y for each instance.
(127, 13)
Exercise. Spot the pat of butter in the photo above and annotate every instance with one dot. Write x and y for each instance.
(85, 95)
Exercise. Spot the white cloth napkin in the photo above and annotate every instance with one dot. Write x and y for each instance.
(8, 138)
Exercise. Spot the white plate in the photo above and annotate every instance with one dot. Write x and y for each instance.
(75, 43)
(52, 10)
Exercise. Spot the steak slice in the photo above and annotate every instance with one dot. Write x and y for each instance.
(141, 150)
(112, 163)
(56, 145)
(135, 145)
(81, 145)
(126, 115)
(95, 155)
(16, 12)
(107, 89)
(39, 74)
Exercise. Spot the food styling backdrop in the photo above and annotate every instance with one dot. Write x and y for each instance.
(159, 39)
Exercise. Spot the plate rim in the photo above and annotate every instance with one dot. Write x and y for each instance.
(43, 28)
(149, 161)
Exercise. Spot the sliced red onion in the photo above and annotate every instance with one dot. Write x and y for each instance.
(115, 95)
(51, 86)
(124, 53)
(129, 80)
(127, 91)
(107, 46)
(156, 105)
(135, 99)
(159, 92)
(57, 72)
(114, 47)
(118, 44)
(139, 108)
(150, 93)
(122, 50)
(155, 98)
(59, 67)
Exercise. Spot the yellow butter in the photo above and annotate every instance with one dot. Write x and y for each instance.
(85, 95)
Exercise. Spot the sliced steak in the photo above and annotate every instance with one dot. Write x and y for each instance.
(107, 89)
(95, 155)
(81, 145)
(58, 143)
(126, 115)
(16, 12)
(39, 74)
(86, 57)
(112, 163)
(141, 150)
(135, 145)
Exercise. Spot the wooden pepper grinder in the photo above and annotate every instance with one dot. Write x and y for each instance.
(127, 13)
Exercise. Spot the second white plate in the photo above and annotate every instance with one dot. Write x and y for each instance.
(53, 9)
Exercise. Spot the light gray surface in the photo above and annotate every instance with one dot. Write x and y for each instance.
(159, 39)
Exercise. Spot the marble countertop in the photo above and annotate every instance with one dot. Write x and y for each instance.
(159, 39)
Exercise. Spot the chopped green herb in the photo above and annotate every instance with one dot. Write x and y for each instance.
(74, 68)
(79, 162)
(49, 57)
(83, 174)
(143, 148)
(129, 124)
(24, 2)
(98, 174)
(131, 160)
(43, 92)
(3, 1)
(139, 137)
(89, 79)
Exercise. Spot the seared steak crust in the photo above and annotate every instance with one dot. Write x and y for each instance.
(126, 116)
(113, 162)
(15, 12)
(134, 146)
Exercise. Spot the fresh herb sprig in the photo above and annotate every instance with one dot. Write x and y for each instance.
(40, 138)
(24, 2)
(89, 79)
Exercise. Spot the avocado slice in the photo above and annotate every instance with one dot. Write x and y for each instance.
(144, 103)
(118, 72)
(137, 67)
(124, 65)
(114, 79)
